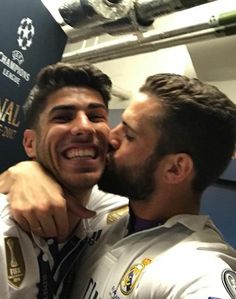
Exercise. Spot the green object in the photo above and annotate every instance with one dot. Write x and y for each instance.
(227, 18)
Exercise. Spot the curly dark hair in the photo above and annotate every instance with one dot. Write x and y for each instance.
(198, 119)
(56, 76)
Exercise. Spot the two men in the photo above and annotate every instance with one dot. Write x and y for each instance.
(176, 137)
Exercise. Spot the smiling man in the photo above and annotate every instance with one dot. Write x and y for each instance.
(67, 129)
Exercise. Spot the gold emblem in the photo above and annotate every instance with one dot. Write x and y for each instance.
(132, 275)
(115, 215)
(15, 261)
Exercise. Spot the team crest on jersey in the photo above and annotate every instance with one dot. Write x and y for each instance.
(229, 281)
(15, 261)
(132, 275)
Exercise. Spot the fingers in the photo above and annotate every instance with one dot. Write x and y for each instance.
(44, 220)
(22, 222)
(32, 225)
(43, 225)
(50, 222)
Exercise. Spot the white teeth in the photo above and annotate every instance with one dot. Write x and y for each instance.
(80, 153)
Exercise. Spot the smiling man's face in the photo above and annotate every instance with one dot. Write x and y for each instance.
(71, 138)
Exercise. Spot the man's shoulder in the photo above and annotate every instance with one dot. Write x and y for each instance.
(203, 241)
(7, 224)
(109, 209)
(3, 197)
(101, 201)
(4, 206)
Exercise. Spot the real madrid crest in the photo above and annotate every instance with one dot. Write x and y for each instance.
(229, 281)
(132, 275)
(15, 261)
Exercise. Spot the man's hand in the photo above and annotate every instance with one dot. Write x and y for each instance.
(37, 201)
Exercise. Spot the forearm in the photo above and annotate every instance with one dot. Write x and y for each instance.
(22, 170)
(37, 201)
(34, 197)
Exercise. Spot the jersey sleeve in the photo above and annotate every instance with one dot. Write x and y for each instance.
(216, 284)
(209, 278)
(4, 291)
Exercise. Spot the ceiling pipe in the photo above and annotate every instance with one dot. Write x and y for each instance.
(84, 14)
(96, 17)
(219, 26)
(129, 41)
(147, 10)
(166, 43)
(121, 94)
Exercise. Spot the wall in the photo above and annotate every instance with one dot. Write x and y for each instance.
(212, 60)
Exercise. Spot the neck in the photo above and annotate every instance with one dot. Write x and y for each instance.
(76, 201)
(161, 207)
(138, 224)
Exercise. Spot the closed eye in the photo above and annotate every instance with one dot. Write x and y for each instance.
(128, 134)
(129, 137)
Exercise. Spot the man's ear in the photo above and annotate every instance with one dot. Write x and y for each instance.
(29, 143)
(178, 168)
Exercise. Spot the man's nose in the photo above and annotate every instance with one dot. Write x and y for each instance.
(81, 125)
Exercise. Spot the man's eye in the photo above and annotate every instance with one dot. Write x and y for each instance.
(129, 137)
(97, 118)
(61, 118)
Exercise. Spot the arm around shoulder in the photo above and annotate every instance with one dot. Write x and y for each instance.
(36, 200)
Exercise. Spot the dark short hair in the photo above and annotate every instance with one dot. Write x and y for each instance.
(198, 119)
(59, 75)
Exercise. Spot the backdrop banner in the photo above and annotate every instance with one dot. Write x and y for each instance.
(30, 38)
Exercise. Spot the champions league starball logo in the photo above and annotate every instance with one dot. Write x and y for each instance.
(13, 68)
(25, 33)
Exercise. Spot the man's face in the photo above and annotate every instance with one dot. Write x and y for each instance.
(131, 167)
(71, 139)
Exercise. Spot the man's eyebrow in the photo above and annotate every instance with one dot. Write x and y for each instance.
(62, 107)
(97, 105)
(128, 126)
(73, 107)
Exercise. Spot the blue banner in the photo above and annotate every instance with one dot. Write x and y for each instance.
(30, 38)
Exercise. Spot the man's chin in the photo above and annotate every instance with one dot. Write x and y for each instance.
(83, 181)
(110, 183)
(111, 180)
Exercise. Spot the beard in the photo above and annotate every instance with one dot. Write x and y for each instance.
(135, 182)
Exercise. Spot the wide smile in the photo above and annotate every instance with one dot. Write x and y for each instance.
(80, 154)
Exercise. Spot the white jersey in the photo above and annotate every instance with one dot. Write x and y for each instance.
(185, 257)
(32, 267)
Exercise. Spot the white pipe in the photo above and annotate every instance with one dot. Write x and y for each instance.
(129, 48)
(132, 40)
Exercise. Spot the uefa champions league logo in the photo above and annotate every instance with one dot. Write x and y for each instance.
(13, 68)
(25, 33)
